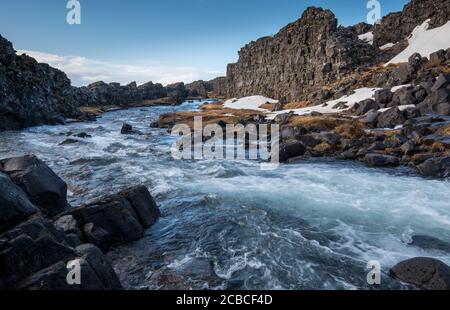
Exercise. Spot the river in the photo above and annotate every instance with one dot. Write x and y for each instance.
(228, 224)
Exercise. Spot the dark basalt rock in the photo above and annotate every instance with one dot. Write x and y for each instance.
(435, 167)
(390, 118)
(380, 160)
(424, 273)
(143, 204)
(430, 243)
(301, 58)
(43, 187)
(14, 204)
(291, 149)
(126, 129)
(117, 219)
(383, 96)
(365, 106)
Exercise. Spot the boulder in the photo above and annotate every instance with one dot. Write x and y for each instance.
(415, 61)
(442, 81)
(30, 248)
(423, 272)
(329, 137)
(14, 204)
(113, 218)
(380, 160)
(383, 96)
(430, 243)
(371, 117)
(290, 149)
(43, 187)
(437, 58)
(390, 118)
(365, 106)
(68, 225)
(126, 129)
(404, 96)
(101, 266)
(143, 204)
(283, 118)
(435, 167)
(292, 132)
(309, 140)
(408, 148)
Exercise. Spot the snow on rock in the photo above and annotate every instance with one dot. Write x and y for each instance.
(367, 37)
(329, 107)
(425, 42)
(394, 89)
(249, 103)
(386, 46)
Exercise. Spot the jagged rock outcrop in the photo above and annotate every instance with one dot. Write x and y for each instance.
(303, 56)
(35, 249)
(397, 26)
(32, 93)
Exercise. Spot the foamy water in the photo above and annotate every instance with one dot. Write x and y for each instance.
(311, 225)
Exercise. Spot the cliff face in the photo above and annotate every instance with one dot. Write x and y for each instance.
(398, 26)
(303, 56)
(32, 93)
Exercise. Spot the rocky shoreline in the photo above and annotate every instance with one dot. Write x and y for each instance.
(40, 232)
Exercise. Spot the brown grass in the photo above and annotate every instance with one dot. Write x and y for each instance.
(445, 130)
(212, 106)
(350, 130)
(297, 105)
(267, 106)
(322, 148)
(212, 116)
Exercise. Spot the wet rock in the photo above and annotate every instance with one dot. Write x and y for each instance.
(424, 273)
(43, 187)
(14, 204)
(68, 225)
(69, 141)
(114, 217)
(126, 129)
(29, 249)
(430, 243)
(290, 149)
(380, 160)
(143, 204)
(377, 146)
(390, 118)
(435, 167)
(101, 266)
(55, 278)
(82, 135)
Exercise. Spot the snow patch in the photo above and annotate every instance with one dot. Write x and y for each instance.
(425, 42)
(367, 37)
(386, 46)
(394, 89)
(249, 103)
(359, 95)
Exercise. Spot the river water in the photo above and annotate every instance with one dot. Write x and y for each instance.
(228, 224)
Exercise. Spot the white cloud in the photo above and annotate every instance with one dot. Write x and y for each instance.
(83, 71)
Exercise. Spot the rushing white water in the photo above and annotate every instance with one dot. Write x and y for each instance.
(311, 225)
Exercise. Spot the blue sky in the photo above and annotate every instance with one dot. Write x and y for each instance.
(161, 40)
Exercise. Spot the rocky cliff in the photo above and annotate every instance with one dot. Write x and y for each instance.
(313, 51)
(304, 55)
(32, 93)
